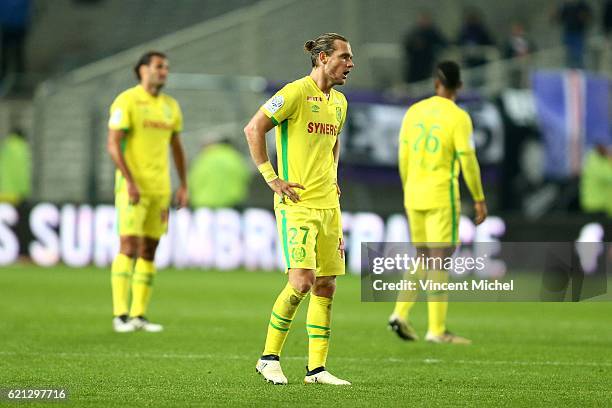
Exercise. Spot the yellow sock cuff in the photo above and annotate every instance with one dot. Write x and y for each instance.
(294, 292)
(320, 300)
(144, 266)
(122, 264)
(285, 308)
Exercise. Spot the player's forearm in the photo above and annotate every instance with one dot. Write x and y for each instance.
(256, 139)
(336, 151)
(178, 154)
(114, 150)
(471, 175)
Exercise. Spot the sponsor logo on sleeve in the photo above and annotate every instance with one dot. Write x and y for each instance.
(274, 104)
(339, 113)
(115, 119)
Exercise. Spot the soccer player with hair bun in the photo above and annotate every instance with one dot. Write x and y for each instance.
(308, 115)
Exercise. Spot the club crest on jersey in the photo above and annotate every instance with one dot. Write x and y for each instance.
(298, 254)
(339, 113)
(315, 108)
(167, 112)
(274, 103)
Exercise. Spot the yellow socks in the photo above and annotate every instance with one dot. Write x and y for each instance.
(142, 286)
(437, 305)
(283, 312)
(121, 272)
(402, 309)
(318, 322)
(406, 299)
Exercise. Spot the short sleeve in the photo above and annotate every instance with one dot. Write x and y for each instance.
(120, 117)
(283, 104)
(464, 134)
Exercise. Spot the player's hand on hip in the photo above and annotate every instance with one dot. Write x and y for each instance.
(182, 196)
(480, 207)
(133, 193)
(286, 189)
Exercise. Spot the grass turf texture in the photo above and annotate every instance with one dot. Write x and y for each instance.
(56, 331)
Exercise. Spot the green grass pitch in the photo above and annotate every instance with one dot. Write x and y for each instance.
(55, 331)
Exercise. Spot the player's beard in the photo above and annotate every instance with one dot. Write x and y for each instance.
(159, 82)
(159, 85)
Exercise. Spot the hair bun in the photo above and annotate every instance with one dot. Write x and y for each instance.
(309, 45)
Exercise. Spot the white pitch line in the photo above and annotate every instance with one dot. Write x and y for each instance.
(192, 356)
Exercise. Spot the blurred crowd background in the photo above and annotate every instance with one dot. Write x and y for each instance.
(537, 83)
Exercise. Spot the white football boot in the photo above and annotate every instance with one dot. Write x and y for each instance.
(271, 370)
(122, 325)
(447, 337)
(323, 377)
(141, 323)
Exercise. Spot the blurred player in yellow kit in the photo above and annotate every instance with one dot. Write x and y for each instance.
(308, 115)
(144, 123)
(435, 138)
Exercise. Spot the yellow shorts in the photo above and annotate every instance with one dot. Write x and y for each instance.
(434, 226)
(148, 218)
(310, 238)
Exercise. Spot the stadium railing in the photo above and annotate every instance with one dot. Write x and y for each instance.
(70, 112)
(384, 63)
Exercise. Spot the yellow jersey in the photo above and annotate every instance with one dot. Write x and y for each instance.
(149, 122)
(435, 136)
(307, 128)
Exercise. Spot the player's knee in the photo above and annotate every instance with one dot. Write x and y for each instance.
(325, 287)
(302, 285)
(302, 280)
(146, 253)
(128, 246)
(147, 249)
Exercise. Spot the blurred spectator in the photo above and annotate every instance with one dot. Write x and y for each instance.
(575, 17)
(15, 177)
(219, 177)
(518, 43)
(421, 48)
(596, 182)
(607, 19)
(473, 36)
(14, 22)
(518, 46)
(15, 168)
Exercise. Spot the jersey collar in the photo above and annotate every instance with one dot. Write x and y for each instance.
(145, 94)
(314, 85)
